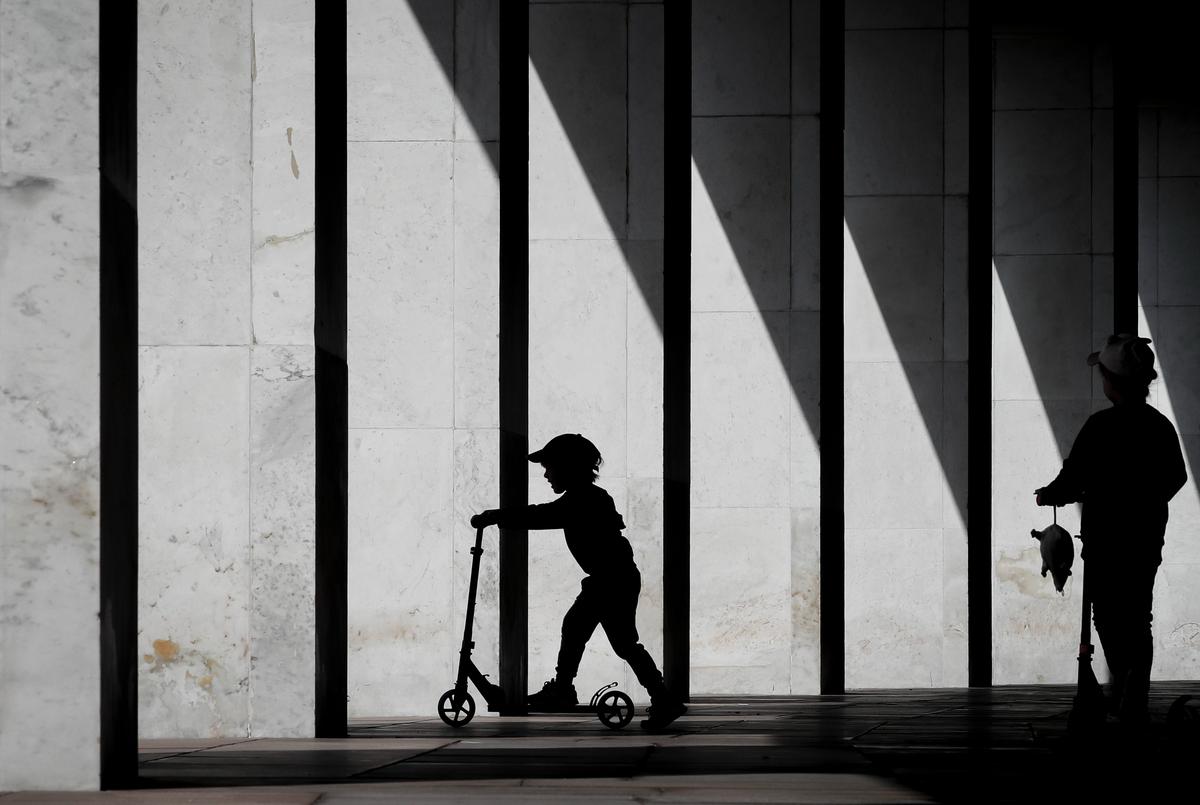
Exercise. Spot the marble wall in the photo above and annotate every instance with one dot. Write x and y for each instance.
(1052, 305)
(755, 348)
(49, 395)
(1169, 292)
(905, 347)
(595, 298)
(225, 122)
(423, 233)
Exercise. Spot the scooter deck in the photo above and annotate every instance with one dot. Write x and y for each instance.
(577, 710)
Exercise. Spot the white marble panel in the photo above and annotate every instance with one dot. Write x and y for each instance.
(1148, 241)
(1102, 180)
(1041, 327)
(804, 423)
(957, 122)
(1177, 344)
(1042, 182)
(806, 600)
(741, 609)
(890, 14)
(283, 157)
(740, 54)
(193, 530)
(398, 64)
(741, 405)
(644, 359)
(577, 352)
(1035, 630)
(893, 260)
(476, 469)
(893, 425)
(646, 117)
(194, 173)
(282, 540)
(403, 645)
(954, 608)
(953, 449)
(577, 121)
(476, 286)
(49, 80)
(955, 312)
(894, 124)
(49, 476)
(1178, 241)
(740, 213)
(477, 70)
(1178, 134)
(806, 213)
(806, 57)
(554, 579)
(894, 596)
(1177, 622)
(400, 291)
(1042, 71)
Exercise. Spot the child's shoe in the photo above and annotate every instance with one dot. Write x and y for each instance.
(662, 712)
(554, 695)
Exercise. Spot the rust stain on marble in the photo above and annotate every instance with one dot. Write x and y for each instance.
(1021, 571)
(166, 650)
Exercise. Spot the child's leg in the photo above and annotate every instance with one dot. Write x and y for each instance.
(620, 624)
(578, 625)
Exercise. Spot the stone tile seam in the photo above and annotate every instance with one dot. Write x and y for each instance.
(405, 759)
(233, 742)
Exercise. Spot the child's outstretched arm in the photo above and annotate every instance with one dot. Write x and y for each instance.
(536, 517)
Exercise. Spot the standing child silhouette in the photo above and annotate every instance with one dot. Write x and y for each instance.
(609, 593)
(1124, 467)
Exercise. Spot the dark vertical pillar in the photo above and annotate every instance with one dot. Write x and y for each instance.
(329, 336)
(832, 436)
(677, 340)
(118, 395)
(979, 348)
(514, 346)
(1125, 184)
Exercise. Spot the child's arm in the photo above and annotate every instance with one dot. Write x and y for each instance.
(1068, 486)
(538, 516)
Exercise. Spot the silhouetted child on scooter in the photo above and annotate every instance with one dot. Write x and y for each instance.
(609, 595)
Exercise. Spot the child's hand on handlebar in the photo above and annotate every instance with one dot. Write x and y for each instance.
(485, 518)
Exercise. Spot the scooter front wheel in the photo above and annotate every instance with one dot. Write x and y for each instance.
(615, 710)
(456, 709)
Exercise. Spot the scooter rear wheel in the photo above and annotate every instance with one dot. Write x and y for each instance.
(615, 710)
(456, 709)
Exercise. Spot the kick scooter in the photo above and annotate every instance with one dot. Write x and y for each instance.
(456, 707)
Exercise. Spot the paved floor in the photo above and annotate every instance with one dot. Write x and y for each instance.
(997, 745)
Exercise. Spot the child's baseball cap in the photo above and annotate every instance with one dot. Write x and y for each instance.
(567, 449)
(1126, 356)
